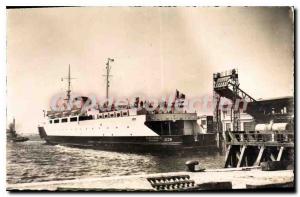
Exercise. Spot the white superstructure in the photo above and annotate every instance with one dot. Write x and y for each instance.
(116, 123)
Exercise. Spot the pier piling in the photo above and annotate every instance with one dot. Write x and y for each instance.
(252, 148)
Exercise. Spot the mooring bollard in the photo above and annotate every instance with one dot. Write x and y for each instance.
(191, 165)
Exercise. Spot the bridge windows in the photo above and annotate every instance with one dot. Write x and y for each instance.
(73, 119)
(112, 114)
(83, 118)
(64, 120)
(56, 121)
(50, 121)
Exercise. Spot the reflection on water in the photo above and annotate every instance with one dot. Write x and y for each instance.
(34, 161)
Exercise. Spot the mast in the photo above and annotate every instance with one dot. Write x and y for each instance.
(108, 68)
(69, 85)
(14, 124)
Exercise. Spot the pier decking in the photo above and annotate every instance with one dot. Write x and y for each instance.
(239, 178)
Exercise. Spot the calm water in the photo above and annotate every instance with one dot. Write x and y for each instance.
(34, 161)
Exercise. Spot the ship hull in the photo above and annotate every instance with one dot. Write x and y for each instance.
(135, 143)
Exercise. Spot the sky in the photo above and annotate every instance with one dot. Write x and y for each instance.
(156, 50)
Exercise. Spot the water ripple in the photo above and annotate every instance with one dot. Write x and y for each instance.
(33, 161)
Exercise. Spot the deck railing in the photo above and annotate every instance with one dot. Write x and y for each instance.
(255, 137)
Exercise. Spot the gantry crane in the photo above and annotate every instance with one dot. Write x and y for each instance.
(226, 84)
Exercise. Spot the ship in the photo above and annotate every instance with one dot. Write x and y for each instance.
(127, 127)
(12, 135)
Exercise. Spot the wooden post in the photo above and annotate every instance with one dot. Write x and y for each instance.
(169, 127)
(241, 137)
(260, 154)
(280, 153)
(237, 155)
(227, 156)
(272, 157)
(232, 137)
(246, 160)
(241, 157)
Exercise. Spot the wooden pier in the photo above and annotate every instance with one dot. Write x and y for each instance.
(214, 179)
(252, 148)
